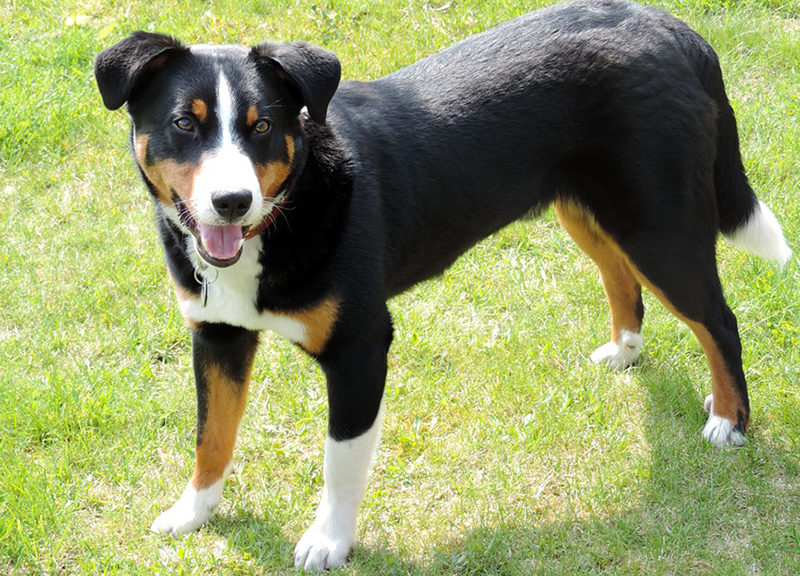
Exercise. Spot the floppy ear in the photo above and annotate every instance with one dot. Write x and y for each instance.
(310, 72)
(123, 67)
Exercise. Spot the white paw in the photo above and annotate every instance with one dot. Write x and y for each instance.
(720, 431)
(193, 509)
(319, 549)
(619, 356)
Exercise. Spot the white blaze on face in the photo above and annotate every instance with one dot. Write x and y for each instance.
(225, 168)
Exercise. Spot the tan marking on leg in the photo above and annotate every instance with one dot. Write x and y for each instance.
(622, 281)
(727, 401)
(224, 409)
(623, 291)
(200, 109)
(319, 321)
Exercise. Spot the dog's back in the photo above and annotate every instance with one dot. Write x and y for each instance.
(559, 102)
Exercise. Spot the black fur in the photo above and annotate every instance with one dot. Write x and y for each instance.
(299, 272)
(130, 64)
(313, 74)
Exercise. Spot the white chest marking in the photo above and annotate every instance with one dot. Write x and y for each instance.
(232, 297)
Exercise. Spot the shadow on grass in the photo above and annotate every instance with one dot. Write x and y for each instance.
(698, 511)
(260, 539)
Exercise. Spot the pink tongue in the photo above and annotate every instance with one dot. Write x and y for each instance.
(221, 242)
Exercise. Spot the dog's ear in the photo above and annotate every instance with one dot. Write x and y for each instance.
(125, 66)
(310, 72)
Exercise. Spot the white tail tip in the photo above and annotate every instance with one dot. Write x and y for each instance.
(762, 235)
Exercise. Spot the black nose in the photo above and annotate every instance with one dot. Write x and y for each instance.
(232, 205)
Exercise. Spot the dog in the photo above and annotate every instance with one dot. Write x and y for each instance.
(286, 200)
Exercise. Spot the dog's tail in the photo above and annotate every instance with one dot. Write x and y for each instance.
(744, 220)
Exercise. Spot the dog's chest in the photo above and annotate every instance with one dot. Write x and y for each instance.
(231, 295)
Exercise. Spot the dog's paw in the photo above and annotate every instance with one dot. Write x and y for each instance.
(193, 509)
(718, 430)
(619, 356)
(320, 549)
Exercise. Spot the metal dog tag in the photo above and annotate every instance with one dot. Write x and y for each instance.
(204, 291)
(204, 282)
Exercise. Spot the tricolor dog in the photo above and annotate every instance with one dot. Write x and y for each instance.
(286, 200)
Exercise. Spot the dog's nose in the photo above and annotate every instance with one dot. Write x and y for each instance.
(232, 205)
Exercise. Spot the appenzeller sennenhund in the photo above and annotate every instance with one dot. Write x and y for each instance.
(289, 201)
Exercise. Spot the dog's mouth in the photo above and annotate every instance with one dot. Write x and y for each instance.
(220, 246)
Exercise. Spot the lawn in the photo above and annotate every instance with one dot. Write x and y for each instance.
(505, 451)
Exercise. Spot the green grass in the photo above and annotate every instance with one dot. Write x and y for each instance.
(505, 451)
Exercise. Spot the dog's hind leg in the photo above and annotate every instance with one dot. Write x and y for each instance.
(684, 277)
(223, 357)
(356, 373)
(622, 290)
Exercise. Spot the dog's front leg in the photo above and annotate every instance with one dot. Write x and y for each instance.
(223, 357)
(356, 377)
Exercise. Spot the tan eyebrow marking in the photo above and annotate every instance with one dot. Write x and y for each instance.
(252, 115)
(200, 109)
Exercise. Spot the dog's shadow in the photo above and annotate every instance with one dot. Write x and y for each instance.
(257, 538)
(697, 510)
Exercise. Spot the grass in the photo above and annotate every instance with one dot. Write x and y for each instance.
(505, 451)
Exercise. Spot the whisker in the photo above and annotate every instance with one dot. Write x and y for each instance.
(276, 104)
(282, 212)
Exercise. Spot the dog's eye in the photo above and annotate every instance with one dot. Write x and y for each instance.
(262, 126)
(185, 123)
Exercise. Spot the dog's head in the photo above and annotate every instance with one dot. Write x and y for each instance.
(217, 129)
